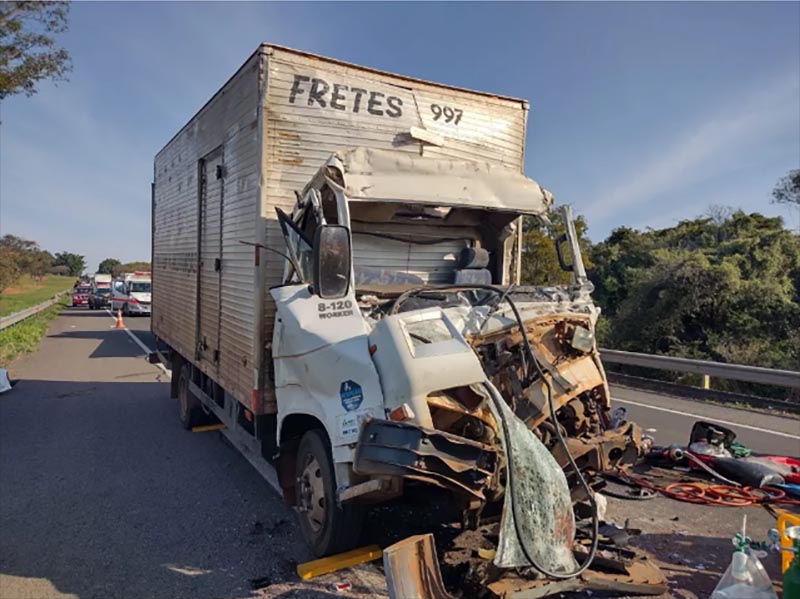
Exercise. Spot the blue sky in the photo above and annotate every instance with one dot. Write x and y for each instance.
(642, 114)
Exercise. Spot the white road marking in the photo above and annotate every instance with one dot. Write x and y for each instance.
(138, 342)
(717, 420)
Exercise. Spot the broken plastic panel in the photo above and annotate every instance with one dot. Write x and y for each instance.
(540, 487)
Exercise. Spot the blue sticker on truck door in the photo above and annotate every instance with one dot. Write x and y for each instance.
(351, 394)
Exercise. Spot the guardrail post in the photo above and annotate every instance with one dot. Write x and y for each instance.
(706, 382)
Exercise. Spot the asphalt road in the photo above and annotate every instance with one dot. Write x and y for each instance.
(104, 495)
(670, 420)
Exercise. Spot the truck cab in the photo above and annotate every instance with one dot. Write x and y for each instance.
(400, 324)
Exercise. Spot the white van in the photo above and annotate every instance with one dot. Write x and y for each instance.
(131, 293)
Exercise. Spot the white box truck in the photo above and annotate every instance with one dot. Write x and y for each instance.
(336, 264)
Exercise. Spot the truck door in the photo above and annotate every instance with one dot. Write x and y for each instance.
(320, 347)
(209, 267)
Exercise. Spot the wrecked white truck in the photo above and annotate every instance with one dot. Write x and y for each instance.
(336, 269)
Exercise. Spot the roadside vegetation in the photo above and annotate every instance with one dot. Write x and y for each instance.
(724, 287)
(112, 266)
(19, 257)
(28, 291)
(24, 337)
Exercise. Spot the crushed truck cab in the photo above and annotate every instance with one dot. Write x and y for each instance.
(395, 366)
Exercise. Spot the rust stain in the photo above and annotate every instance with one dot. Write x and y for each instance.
(286, 135)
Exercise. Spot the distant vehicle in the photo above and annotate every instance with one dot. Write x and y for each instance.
(131, 293)
(101, 281)
(100, 298)
(80, 295)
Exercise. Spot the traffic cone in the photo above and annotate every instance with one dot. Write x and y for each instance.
(120, 324)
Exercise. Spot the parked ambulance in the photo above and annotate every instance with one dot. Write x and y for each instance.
(131, 293)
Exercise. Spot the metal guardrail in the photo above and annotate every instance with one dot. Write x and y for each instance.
(11, 320)
(737, 372)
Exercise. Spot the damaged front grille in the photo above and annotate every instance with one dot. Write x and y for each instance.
(445, 460)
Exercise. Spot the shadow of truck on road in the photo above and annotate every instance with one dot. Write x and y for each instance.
(103, 495)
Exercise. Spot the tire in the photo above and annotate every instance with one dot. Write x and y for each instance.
(125, 309)
(189, 410)
(327, 527)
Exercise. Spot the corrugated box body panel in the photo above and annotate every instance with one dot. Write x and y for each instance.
(227, 123)
(315, 106)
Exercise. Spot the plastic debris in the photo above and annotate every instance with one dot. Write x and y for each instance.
(341, 587)
(326, 565)
(5, 385)
(487, 554)
(745, 577)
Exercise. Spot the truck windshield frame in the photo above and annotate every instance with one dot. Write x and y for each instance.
(299, 246)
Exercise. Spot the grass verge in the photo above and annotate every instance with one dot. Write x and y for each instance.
(27, 292)
(24, 337)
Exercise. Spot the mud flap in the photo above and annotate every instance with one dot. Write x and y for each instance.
(412, 569)
(540, 486)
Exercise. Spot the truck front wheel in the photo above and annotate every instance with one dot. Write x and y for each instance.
(327, 526)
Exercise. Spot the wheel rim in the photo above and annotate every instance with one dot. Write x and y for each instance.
(312, 494)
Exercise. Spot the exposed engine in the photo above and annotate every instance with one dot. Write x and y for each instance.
(566, 364)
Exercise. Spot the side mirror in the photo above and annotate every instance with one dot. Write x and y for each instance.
(560, 241)
(332, 261)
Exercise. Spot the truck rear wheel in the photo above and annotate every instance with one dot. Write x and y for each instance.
(327, 526)
(189, 408)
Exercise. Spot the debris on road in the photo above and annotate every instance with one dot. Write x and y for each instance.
(5, 384)
(745, 577)
(206, 428)
(326, 565)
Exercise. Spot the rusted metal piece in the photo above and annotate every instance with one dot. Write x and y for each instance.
(412, 569)
(604, 451)
(579, 389)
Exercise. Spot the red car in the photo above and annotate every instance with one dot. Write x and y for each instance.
(80, 296)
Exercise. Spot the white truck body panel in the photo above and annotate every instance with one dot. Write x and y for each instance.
(259, 140)
(100, 281)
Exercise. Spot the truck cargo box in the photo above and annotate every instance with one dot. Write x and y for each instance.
(255, 143)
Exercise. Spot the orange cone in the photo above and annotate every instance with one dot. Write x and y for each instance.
(120, 324)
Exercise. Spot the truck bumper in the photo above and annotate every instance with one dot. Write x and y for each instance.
(388, 448)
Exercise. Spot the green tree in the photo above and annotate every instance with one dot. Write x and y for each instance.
(106, 267)
(74, 262)
(9, 268)
(28, 50)
(60, 270)
(130, 267)
(787, 190)
(20, 256)
(539, 259)
(725, 288)
(39, 263)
